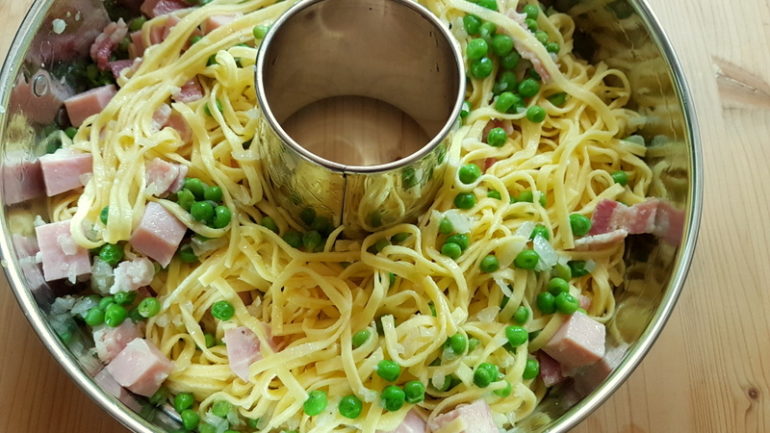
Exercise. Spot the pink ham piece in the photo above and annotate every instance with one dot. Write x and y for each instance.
(65, 170)
(119, 66)
(154, 8)
(190, 91)
(106, 42)
(653, 216)
(530, 55)
(579, 342)
(108, 384)
(109, 342)
(137, 46)
(130, 275)
(598, 242)
(86, 104)
(550, 370)
(22, 178)
(176, 121)
(140, 367)
(62, 257)
(242, 350)
(163, 177)
(488, 163)
(158, 235)
(216, 21)
(26, 250)
(586, 379)
(412, 423)
(160, 116)
(474, 418)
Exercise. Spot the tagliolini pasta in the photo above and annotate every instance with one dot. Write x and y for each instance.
(305, 307)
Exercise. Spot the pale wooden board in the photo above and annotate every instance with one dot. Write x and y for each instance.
(709, 371)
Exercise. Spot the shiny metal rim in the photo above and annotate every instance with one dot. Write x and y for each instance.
(315, 159)
(575, 415)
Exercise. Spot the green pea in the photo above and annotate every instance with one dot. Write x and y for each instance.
(560, 270)
(494, 194)
(531, 11)
(106, 302)
(476, 49)
(115, 315)
(578, 268)
(525, 196)
(307, 215)
(497, 137)
(316, 402)
(322, 225)
(546, 303)
(469, 173)
(111, 254)
(213, 193)
(566, 303)
(94, 317)
(414, 391)
(536, 114)
(187, 255)
(531, 24)
(221, 408)
(506, 82)
(487, 30)
(451, 250)
(445, 227)
(195, 39)
(580, 224)
(502, 45)
(381, 244)
(222, 310)
(505, 391)
(202, 211)
(148, 307)
(472, 24)
(485, 374)
(183, 401)
(312, 241)
(260, 31)
(503, 103)
(489, 4)
(532, 369)
(541, 36)
(400, 237)
(190, 419)
(489, 264)
(557, 286)
(529, 87)
(457, 343)
(527, 259)
(460, 239)
(521, 316)
(185, 199)
(540, 230)
(511, 60)
(620, 177)
(195, 186)
(269, 224)
(516, 335)
(473, 343)
(136, 23)
(558, 99)
(104, 215)
(293, 238)
(391, 279)
(388, 370)
(482, 68)
(392, 398)
(252, 423)
(125, 298)
(361, 337)
(465, 200)
(350, 406)
(222, 217)
(218, 104)
(552, 47)
(210, 340)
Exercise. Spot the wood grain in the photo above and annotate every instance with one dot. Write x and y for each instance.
(710, 369)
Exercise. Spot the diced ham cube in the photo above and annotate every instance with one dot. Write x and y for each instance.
(171, 21)
(602, 219)
(669, 223)
(158, 235)
(412, 423)
(598, 242)
(154, 8)
(579, 342)
(22, 178)
(137, 47)
(550, 370)
(109, 342)
(162, 177)
(489, 162)
(62, 257)
(585, 302)
(130, 275)
(118, 66)
(190, 91)
(586, 379)
(242, 350)
(82, 106)
(140, 367)
(65, 170)
(26, 250)
(176, 121)
(216, 21)
(106, 42)
(160, 116)
(108, 383)
(473, 418)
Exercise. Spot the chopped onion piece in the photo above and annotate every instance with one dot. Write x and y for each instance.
(488, 314)
(460, 222)
(525, 230)
(509, 247)
(83, 305)
(548, 256)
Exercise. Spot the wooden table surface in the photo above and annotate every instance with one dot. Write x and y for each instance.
(710, 369)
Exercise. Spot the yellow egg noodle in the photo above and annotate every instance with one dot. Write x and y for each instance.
(312, 303)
